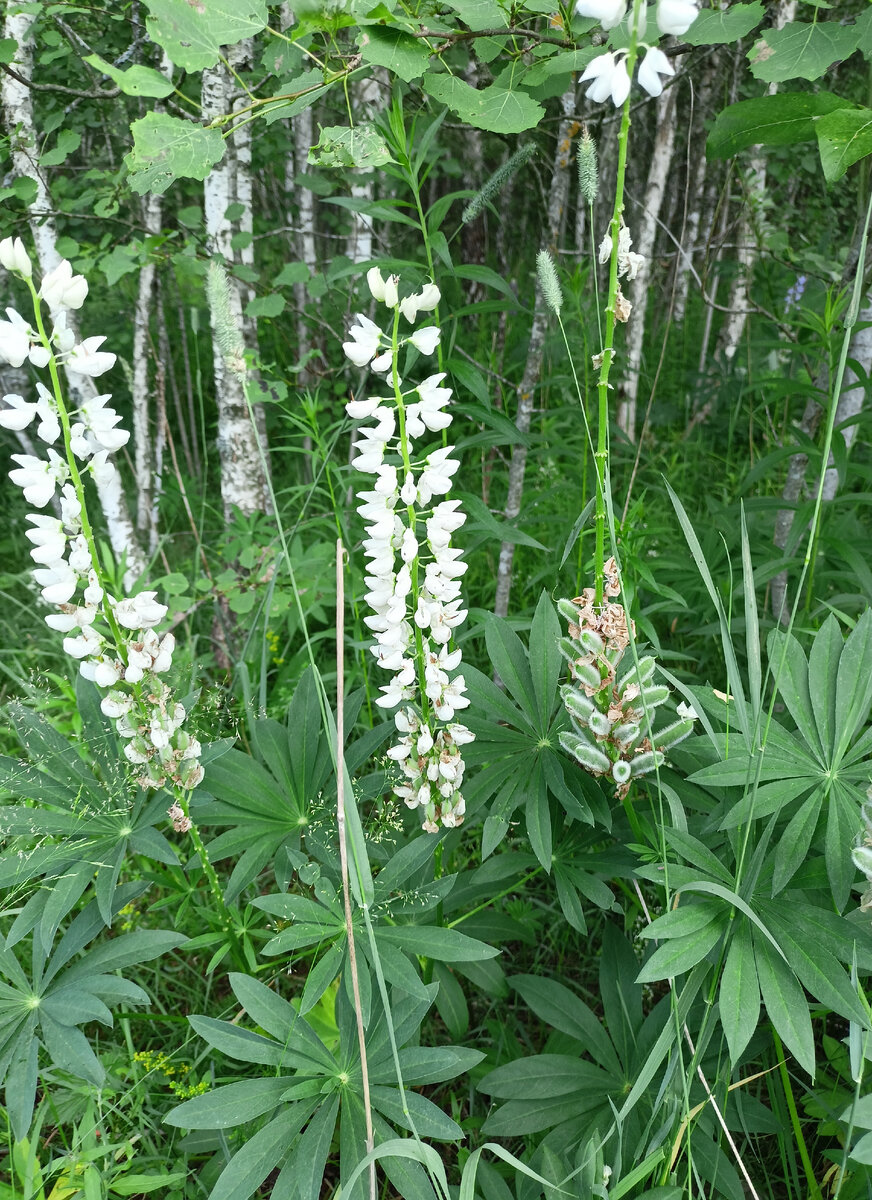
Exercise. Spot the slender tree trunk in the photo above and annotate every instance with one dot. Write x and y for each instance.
(853, 394)
(366, 99)
(645, 237)
(18, 117)
(243, 481)
(143, 431)
(696, 193)
(557, 201)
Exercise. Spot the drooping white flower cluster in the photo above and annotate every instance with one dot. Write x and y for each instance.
(608, 71)
(413, 570)
(113, 640)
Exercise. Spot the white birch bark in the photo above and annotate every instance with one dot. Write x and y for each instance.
(243, 481)
(367, 95)
(558, 196)
(18, 117)
(644, 237)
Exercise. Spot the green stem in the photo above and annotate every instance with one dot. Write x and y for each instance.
(814, 1187)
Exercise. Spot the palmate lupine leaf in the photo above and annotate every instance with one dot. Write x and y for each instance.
(312, 1088)
(71, 987)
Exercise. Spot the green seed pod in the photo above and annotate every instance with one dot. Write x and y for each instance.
(567, 610)
(591, 641)
(548, 281)
(570, 649)
(574, 743)
(587, 168)
(654, 696)
(643, 763)
(640, 674)
(862, 856)
(621, 771)
(627, 733)
(672, 734)
(577, 704)
(587, 674)
(590, 757)
(599, 724)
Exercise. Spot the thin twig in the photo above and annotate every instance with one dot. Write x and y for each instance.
(343, 847)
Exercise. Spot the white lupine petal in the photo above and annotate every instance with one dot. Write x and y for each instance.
(608, 12)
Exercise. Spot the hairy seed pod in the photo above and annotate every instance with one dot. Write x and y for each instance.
(587, 674)
(621, 771)
(599, 724)
(640, 674)
(570, 649)
(627, 733)
(672, 734)
(590, 757)
(653, 696)
(643, 763)
(591, 641)
(576, 702)
(567, 610)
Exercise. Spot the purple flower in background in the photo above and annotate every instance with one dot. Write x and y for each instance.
(794, 293)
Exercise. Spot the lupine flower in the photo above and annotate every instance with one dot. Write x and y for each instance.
(113, 640)
(413, 625)
(610, 78)
(15, 258)
(62, 289)
(653, 65)
(676, 16)
(608, 12)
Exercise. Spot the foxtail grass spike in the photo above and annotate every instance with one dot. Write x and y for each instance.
(588, 182)
(548, 281)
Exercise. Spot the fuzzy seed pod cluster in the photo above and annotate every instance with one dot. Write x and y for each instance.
(612, 705)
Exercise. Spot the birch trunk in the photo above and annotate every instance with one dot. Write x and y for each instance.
(243, 481)
(645, 237)
(850, 403)
(558, 196)
(143, 430)
(18, 117)
(696, 189)
(366, 98)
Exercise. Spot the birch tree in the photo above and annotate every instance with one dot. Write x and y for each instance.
(243, 478)
(15, 97)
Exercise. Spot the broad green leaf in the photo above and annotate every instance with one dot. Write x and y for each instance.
(271, 305)
(506, 653)
(681, 954)
(739, 997)
(429, 941)
(785, 1003)
(265, 1007)
(312, 1150)
(492, 108)
(362, 147)
(233, 1104)
(541, 1077)
(166, 148)
(819, 972)
(193, 33)
(560, 1007)
(792, 848)
(430, 1120)
(801, 51)
(683, 920)
(717, 26)
(823, 660)
(564, 63)
(136, 80)
(545, 659)
(68, 141)
(842, 822)
(537, 813)
(241, 1044)
(451, 1001)
(250, 1166)
(854, 680)
(406, 56)
(844, 137)
(480, 14)
(140, 1185)
(789, 664)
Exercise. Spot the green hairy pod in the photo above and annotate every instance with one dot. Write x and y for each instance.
(570, 649)
(672, 734)
(589, 756)
(599, 724)
(621, 771)
(627, 733)
(591, 641)
(654, 696)
(587, 674)
(640, 674)
(576, 702)
(643, 763)
(567, 610)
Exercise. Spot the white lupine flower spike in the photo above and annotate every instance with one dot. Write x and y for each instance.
(412, 570)
(113, 640)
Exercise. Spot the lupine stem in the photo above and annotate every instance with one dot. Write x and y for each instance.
(601, 455)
